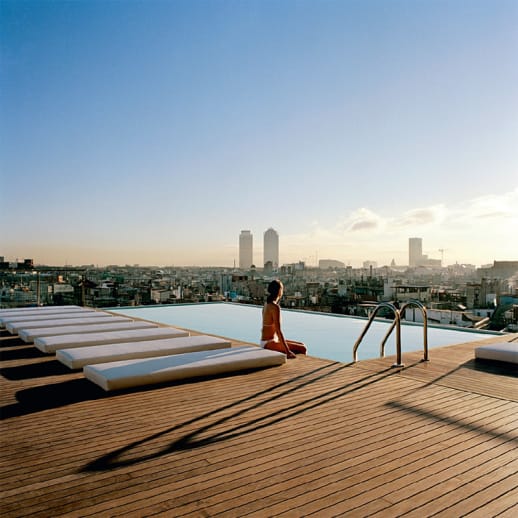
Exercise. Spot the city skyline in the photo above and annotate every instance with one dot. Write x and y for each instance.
(153, 132)
(270, 253)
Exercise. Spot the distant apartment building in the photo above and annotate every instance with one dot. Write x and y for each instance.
(28, 264)
(271, 247)
(160, 296)
(501, 270)
(246, 249)
(415, 251)
(268, 268)
(416, 256)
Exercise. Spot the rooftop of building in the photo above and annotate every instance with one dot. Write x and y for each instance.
(310, 437)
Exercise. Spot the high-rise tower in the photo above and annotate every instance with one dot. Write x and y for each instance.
(271, 247)
(415, 251)
(246, 249)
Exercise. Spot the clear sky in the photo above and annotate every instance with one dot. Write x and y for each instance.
(153, 132)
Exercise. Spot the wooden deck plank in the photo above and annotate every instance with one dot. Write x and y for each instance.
(497, 493)
(504, 507)
(318, 476)
(357, 486)
(312, 437)
(241, 483)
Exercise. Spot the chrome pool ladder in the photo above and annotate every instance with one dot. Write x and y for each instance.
(395, 324)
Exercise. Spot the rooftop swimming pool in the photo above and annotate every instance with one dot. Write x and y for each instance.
(326, 336)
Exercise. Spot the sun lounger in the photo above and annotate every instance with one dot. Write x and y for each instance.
(133, 373)
(80, 356)
(47, 315)
(37, 309)
(26, 317)
(503, 352)
(29, 335)
(95, 318)
(50, 344)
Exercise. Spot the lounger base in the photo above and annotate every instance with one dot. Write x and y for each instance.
(133, 373)
(51, 344)
(94, 317)
(49, 312)
(31, 335)
(503, 352)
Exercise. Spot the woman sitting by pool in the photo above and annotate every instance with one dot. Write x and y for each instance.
(271, 334)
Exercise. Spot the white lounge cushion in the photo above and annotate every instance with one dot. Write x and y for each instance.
(503, 352)
(80, 356)
(95, 318)
(29, 335)
(133, 373)
(32, 315)
(36, 309)
(50, 344)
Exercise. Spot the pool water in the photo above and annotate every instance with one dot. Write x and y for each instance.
(326, 336)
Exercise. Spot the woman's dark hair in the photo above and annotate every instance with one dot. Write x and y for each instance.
(273, 289)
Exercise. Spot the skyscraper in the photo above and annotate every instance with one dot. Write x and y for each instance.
(415, 251)
(246, 249)
(271, 247)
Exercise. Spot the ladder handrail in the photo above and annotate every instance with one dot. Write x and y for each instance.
(371, 319)
(422, 307)
(386, 337)
(397, 324)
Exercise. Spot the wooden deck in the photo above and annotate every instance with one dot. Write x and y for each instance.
(312, 437)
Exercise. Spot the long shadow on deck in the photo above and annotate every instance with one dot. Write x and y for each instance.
(493, 367)
(50, 367)
(56, 395)
(21, 353)
(71, 391)
(192, 440)
(12, 341)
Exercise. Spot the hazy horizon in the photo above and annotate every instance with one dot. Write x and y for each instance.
(257, 265)
(153, 132)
